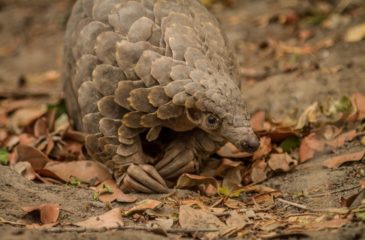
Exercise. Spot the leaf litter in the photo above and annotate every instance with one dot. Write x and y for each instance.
(36, 140)
(45, 148)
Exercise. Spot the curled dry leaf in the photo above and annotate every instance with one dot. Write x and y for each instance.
(310, 115)
(85, 171)
(230, 151)
(110, 219)
(143, 206)
(336, 161)
(189, 180)
(281, 162)
(26, 153)
(264, 149)
(25, 169)
(48, 212)
(113, 193)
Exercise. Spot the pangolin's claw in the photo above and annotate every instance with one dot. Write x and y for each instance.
(190, 167)
(180, 161)
(144, 178)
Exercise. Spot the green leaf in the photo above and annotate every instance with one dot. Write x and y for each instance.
(361, 216)
(59, 107)
(224, 191)
(107, 188)
(289, 144)
(4, 156)
(343, 105)
(74, 181)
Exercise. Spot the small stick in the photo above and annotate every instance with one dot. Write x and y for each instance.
(139, 228)
(333, 192)
(293, 204)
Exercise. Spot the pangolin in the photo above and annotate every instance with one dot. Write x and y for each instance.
(152, 83)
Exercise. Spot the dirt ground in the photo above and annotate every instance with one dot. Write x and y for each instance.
(286, 62)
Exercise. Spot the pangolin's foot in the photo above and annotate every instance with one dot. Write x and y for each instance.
(143, 178)
(176, 161)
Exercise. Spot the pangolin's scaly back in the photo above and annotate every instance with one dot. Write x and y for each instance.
(136, 65)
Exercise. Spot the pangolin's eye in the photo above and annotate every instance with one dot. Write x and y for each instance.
(212, 121)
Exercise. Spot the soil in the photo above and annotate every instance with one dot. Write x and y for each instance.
(31, 37)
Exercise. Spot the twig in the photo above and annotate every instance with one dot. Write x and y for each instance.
(138, 228)
(328, 210)
(333, 192)
(293, 204)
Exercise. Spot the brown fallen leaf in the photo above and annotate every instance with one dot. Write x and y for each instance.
(25, 169)
(336, 161)
(358, 100)
(232, 179)
(143, 206)
(281, 161)
(355, 33)
(48, 212)
(109, 191)
(264, 149)
(362, 183)
(362, 140)
(257, 121)
(189, 180)
(259, 170)
(196, 218)
(230, 151)
(110, 219)
(340, 140)
(26, 153)
(310, 115)
(41, 127)
(331, 224)
(309, 146)
(25, 116)
(195, 202)
(85, 171)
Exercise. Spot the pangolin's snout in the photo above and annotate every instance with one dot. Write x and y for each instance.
(249, 144)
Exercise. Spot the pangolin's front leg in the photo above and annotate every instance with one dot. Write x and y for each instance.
(131, 166)
(187, 153)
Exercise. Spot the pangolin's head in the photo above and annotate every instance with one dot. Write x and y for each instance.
(220, 110)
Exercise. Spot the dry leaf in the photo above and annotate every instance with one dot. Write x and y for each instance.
(355, 33)
(115, 194)
(111, 219)
(281, 161)
(48, 212)
(257, 121)
(309, 146)
(25, 169)
(308, 116)
(358, 100)
(85, 171)
(258, 173)
(189, 180)
(232, 179)
(25, 116)
(264, 149)
(362, 141)
(335, 223)
(143, 206)
(230, 151)
(32, 155)
(341, 139)
(196, 219)
(336, 161)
